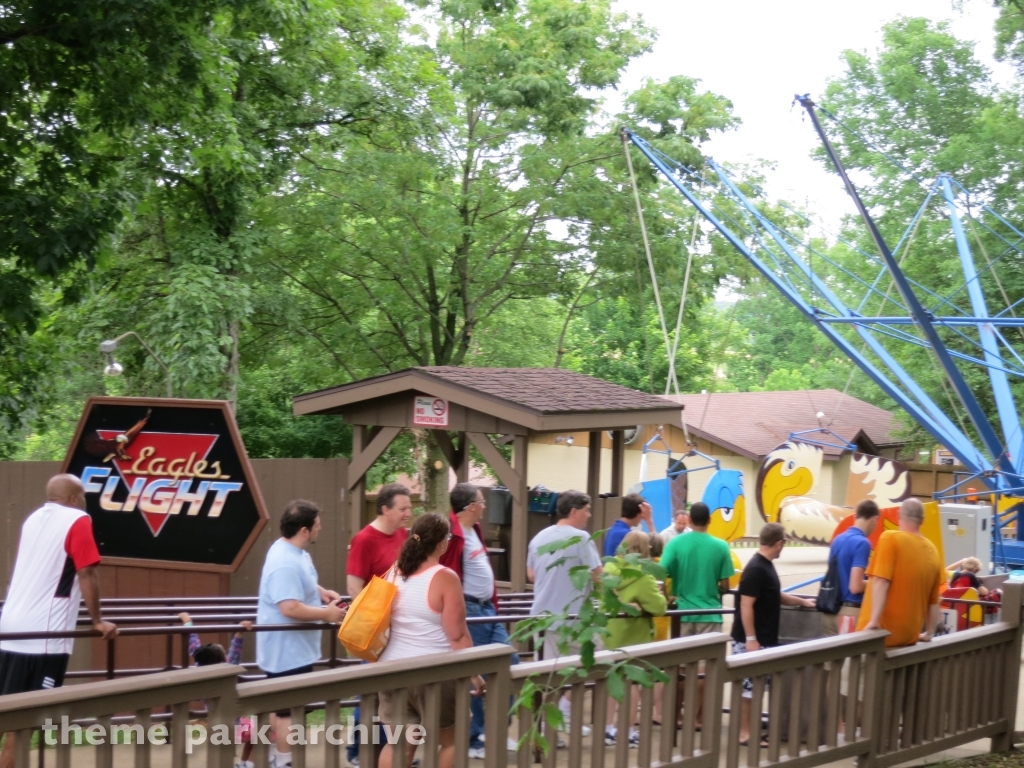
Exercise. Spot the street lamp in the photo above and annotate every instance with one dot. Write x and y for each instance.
(114, 368)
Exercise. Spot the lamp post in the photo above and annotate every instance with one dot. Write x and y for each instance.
(114, 368)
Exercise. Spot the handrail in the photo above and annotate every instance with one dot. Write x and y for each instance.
(263, 695)
(181, 629)
(643, 651)
(25, 713)
(116, 691)
(818, 651)
(939, 647)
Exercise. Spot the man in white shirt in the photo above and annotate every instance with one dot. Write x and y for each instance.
(553, 590)
(55, 568)
(680, 524)
(467, 556)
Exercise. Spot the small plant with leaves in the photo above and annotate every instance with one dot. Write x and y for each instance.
(581, 634)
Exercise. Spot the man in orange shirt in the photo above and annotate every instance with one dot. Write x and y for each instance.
(905, 575)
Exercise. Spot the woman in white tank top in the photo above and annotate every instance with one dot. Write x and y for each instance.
(428, 615)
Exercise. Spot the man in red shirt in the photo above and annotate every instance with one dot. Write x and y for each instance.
(373, 551)
(467, 556)
(54, 570)
(375, 548)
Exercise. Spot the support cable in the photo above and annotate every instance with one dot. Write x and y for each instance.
(682, 306)
(881, 306)
(650, 262)
(999, 283)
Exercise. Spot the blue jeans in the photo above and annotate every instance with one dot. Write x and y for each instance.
(483, 634)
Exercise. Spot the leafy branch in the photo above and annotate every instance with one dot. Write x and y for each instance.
(584, 630)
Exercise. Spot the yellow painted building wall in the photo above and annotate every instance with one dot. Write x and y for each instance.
(560, 467)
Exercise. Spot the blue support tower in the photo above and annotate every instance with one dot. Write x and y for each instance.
(994, 458)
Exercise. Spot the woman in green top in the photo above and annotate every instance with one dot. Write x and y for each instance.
(642, 591)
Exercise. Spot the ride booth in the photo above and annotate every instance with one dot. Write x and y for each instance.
(496, 411)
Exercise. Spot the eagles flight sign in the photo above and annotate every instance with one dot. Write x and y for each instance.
(166, 480)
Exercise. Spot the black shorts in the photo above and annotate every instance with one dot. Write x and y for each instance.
(22, 672)
(289, 673)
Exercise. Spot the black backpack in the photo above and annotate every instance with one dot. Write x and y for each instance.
(830, 596)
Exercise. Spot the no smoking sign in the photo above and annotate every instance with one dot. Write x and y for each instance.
(429, 411)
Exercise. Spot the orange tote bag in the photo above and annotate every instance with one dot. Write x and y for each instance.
(367, 626)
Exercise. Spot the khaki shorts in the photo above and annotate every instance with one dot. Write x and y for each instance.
(415, 705)
(831, 622)
(691, 628)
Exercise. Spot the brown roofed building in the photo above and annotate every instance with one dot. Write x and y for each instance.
(738, 429)
(752, 423)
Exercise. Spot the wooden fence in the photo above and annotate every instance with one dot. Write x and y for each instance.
(816, 702)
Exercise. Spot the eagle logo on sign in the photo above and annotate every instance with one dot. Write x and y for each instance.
(166, 473)
(167, 482)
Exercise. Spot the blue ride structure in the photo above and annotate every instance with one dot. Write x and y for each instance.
(981, 425)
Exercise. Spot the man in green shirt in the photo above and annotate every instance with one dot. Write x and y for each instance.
(700, 566)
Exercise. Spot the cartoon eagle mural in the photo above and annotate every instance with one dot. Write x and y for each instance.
(793, 469)
(724, 497)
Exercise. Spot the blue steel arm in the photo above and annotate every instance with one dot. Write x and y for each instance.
(925, 405)
(951, 438)
(986, 433)
(952, 320)
(1008, 418)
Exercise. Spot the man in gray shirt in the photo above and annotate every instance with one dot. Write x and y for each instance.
(553, 590)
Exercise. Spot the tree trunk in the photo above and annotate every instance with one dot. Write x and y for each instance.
(233, 366)
(433, 475)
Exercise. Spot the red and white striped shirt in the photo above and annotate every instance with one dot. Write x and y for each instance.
(56, 542)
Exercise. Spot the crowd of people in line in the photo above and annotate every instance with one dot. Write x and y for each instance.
(442, 573)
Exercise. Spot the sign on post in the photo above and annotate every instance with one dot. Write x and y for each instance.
(429, 411)
(167, 483)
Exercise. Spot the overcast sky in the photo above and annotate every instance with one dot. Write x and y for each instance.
(758, 54)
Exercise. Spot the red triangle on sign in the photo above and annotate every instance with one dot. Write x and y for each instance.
(169, 446)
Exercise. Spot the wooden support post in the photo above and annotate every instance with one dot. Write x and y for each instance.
(1013, 601)
(594, 465)
(356, 486)
(512, 477)
(368, 443)
(462, 471)
(520, 515)
(618, 461)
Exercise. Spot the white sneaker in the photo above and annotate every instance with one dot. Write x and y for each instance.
(476, 753)
(244, 764)
(566, 726)
(513, 744)
(634, 739)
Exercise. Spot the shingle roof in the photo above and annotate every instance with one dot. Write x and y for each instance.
(547, 390)
(754, 423)
(540, 399)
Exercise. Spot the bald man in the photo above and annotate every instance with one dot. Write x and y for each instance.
(55, 569)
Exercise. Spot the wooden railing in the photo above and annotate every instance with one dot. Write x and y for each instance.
(951, 691)
(822, 700)
(805, 685)
(26, 713)
(680, 659)
(263, 697)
